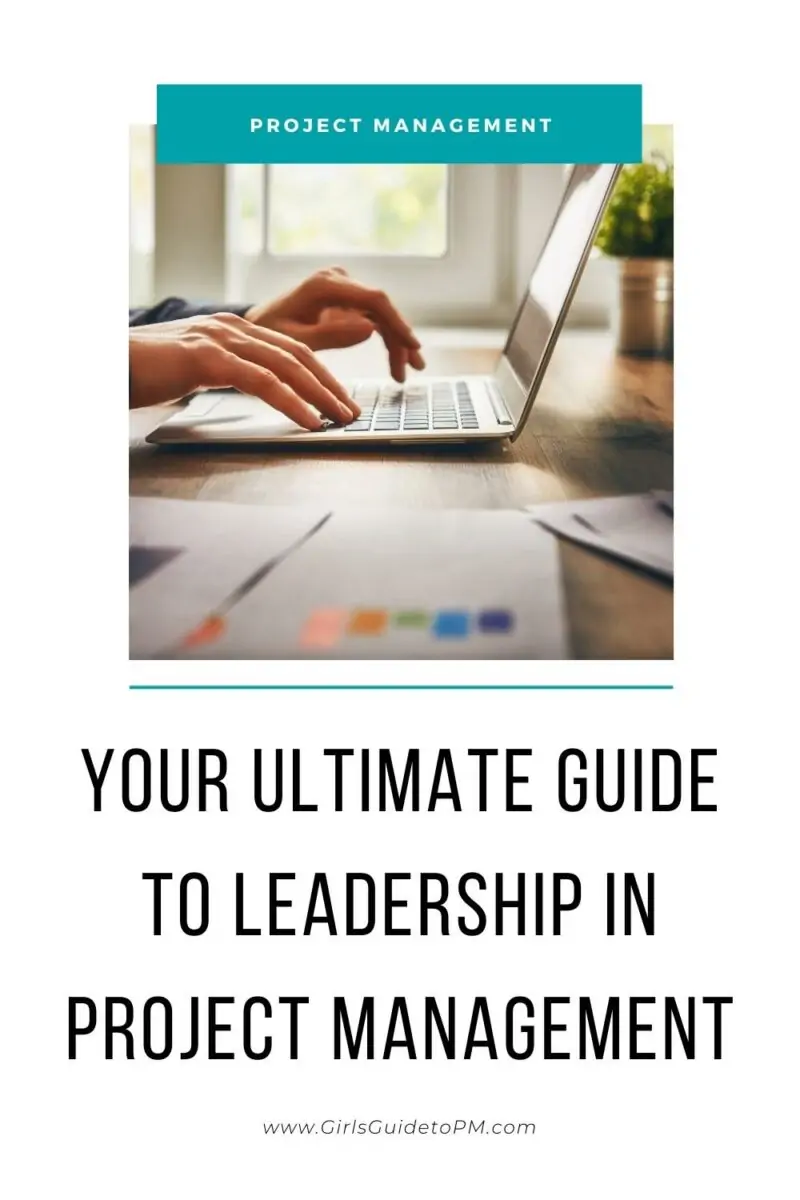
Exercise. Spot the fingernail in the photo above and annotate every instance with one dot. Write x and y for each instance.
(344, 412)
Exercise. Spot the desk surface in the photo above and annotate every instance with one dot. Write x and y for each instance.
(601, 426)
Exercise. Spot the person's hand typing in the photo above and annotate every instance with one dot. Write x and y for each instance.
(330, 310)
(170, 360)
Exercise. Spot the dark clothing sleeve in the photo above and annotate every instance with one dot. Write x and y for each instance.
(175, 309)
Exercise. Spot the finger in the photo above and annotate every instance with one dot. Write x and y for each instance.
(335, 399)
(402, 356)
(231, 371)
(338, 314)
(310, 384)
(333, 334)
(397, 361)
(348, 294)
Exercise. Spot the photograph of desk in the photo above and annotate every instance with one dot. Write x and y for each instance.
(602, 426)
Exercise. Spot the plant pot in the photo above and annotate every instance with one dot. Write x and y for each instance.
(644, 317)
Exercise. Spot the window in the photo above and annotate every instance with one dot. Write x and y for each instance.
(437, 236)
(358, 209)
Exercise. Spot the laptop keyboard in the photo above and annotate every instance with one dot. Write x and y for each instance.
(413, 408)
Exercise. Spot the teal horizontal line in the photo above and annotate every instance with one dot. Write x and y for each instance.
(401, 687)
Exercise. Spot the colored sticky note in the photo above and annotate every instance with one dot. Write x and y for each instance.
(412, 618)
(495, 620)
(323, 628)
(451, 624)
(368, 622)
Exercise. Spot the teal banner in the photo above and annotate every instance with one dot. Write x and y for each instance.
(384, 123)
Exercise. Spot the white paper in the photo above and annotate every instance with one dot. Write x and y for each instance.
(638, 529)
(218, 546)
(459, 574)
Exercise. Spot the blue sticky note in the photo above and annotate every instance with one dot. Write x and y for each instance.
(495, 620)
(451, 624)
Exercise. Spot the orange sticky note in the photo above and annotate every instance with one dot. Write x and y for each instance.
(368, 622)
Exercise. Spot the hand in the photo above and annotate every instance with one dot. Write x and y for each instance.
(170, 360)
(329, 309)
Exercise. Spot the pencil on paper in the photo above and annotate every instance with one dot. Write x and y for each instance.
(213, 626)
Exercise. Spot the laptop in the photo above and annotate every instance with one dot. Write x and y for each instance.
(453, 409)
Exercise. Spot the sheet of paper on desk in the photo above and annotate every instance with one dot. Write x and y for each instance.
(637, 529)
(187, 558)
(226, 581)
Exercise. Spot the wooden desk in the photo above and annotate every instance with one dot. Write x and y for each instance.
(602, 426)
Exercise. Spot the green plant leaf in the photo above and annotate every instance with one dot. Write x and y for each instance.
(638, 222)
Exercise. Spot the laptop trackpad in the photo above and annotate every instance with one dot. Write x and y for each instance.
(219, 417)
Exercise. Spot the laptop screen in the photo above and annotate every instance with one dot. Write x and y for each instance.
(578, 212)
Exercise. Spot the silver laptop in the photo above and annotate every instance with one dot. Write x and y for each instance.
(457, 408)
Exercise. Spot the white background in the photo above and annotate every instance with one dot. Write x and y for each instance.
(75, 913)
